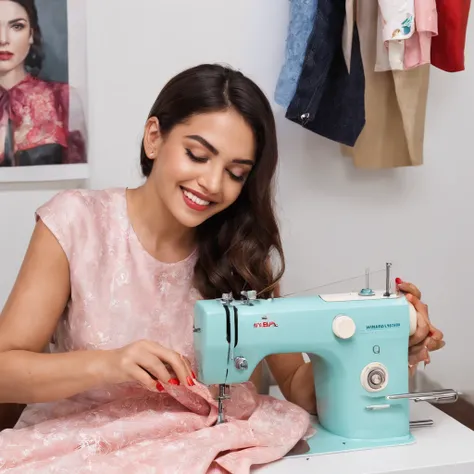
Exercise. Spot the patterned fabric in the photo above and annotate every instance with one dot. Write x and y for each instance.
(396, 23)
(398, 19)
(302, 14)
(38, 114)
(404, 34)
(120, 294)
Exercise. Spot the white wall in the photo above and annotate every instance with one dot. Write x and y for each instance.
(336, 220)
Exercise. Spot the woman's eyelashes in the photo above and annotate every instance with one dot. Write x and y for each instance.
(18, 26)
(193, 157)
(202, 159)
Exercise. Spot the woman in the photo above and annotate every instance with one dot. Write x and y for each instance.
(113, 275)
(37, 119)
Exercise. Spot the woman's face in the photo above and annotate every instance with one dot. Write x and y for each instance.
(201, 167)
(15, 36)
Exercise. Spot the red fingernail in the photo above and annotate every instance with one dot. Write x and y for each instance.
(173, 381)
(190, 381)
(160, 387)
(398, 281)
(194, 375)
(431, 333)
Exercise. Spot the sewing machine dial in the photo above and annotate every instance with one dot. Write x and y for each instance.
(374, 377)
(241, 363)
(343, 326)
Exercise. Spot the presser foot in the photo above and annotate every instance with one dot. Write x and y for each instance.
(223, 395)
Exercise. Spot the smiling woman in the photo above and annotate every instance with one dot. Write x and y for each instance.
(205, 170)
(210, 138)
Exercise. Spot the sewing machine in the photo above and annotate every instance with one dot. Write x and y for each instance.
(356, 342)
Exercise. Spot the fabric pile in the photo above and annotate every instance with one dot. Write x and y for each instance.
(166, 433)
(357, 72)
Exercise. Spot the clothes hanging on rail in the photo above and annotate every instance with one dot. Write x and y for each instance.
(328, 99)
(395, 104)
(302, 14)
(447, 50)
(364, 83)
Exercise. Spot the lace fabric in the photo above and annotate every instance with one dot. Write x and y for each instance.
(302, 15)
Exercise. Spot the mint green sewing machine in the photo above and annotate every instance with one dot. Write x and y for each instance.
(357, 344)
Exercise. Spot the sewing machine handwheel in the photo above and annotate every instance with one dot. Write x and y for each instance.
(413, 318)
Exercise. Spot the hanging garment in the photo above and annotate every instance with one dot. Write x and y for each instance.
(418, 46)
(447, 49)
(396, 24)
(328, 100)
(302, 13)
(395, 104)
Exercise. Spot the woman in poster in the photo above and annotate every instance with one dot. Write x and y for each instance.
(35, 115)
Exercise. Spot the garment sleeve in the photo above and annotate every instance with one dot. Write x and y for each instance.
(72, 110)
(65, 216)
(77, 129)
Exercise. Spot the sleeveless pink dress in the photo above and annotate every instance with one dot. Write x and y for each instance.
(120, 294)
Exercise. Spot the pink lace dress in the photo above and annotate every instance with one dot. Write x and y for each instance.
(120, 294)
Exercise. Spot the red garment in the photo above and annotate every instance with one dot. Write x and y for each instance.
(37, 112)
(447, 49)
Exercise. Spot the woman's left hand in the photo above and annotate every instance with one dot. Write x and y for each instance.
(427, 338)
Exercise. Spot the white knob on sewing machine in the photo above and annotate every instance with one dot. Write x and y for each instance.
(343, 326)
(413, 318)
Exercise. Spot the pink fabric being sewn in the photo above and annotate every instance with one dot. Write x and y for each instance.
(120, 294)
(418, 46)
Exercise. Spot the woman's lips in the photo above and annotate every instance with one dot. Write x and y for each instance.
(5, 55)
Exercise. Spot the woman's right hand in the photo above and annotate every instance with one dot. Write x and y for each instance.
(148, 363)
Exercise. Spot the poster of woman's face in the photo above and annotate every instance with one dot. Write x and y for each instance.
(43, 132)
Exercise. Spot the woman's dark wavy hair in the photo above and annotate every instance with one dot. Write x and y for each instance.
(236, 244)
(34, 60)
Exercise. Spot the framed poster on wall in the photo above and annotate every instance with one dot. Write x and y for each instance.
(43, 93)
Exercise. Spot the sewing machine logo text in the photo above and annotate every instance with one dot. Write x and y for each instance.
(378, 327)
(265, 324)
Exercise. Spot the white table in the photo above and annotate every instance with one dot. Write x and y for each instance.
(445, 448)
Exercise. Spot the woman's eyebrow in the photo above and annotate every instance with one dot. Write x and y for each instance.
(205, 143)
(215, 151)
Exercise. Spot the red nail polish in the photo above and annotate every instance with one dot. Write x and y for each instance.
(398, 281)
(194, 375)
(431, 333)
(173, 381)
(190, 381)
(160, 387)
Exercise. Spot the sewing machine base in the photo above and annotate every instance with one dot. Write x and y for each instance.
(324, 442)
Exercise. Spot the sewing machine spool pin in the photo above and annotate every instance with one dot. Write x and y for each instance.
(387, 279)
(367, 291)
